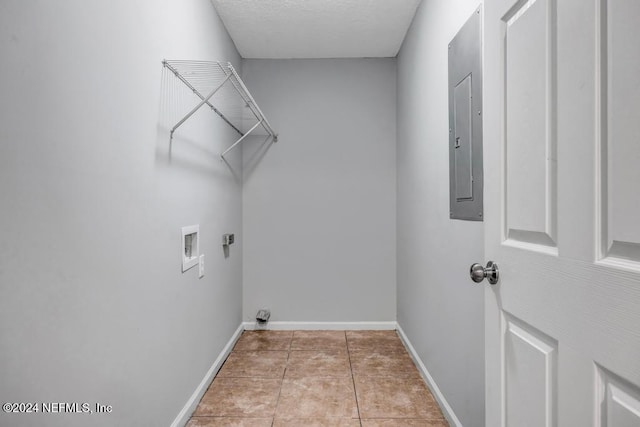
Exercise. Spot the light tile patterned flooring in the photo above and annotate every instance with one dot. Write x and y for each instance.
(318, 379)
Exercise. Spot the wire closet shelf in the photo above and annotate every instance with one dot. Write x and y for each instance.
(213, 80)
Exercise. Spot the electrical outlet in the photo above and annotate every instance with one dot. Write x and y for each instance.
(201, 266)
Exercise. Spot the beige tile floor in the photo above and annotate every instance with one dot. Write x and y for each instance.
(318, 379)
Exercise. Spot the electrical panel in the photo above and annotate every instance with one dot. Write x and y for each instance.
(465, 121)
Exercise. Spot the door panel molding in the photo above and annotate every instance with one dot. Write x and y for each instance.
(617, 401)
(530, 375)
(618, 128)
(530, 147)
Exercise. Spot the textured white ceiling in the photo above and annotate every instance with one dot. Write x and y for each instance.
(317, 28)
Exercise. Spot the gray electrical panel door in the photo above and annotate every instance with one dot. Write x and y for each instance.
(465, 121)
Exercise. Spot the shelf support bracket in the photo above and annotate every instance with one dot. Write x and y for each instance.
(197, 107)
(241, 138)
(199, 95)
(199, 77)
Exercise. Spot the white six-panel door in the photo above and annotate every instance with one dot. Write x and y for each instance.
(562, 212)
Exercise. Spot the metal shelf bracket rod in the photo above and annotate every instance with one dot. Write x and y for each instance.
(241, 138)
(197, 107)
(262, 117)
(199, 95)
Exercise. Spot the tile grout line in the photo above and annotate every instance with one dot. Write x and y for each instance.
(289, 350)
(353, 380)
(284, 373)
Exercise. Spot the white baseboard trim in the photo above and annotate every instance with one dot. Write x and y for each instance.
(315, 326)
(184, 415)
(435, 391)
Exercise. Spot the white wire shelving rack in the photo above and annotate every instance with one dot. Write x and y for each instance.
(217, 84)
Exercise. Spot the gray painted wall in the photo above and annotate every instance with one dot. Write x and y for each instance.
(439, 308)
(319, 206)
(93, 304)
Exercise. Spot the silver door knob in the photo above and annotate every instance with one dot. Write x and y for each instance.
(478, 273)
